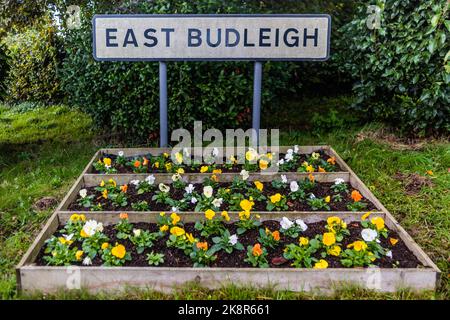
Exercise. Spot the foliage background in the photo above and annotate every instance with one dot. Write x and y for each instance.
(401, 70)
(398, 74)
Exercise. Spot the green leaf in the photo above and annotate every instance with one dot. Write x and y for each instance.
(447, 24)
(432, 45)
(435, 20)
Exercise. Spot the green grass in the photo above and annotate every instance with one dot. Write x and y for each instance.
(35, 163)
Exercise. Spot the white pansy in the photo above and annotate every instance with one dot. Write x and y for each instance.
(150, 179)
(208, 191)
(296, 149)
(190, 188)
(87, 261)
(120, 153)
(83, 193)
(135, 182)
(163, 188)
(233, 240)
(290, 151)
(194, 200)
(301, 224)
(293, 186)
(137, 232)
(107, 166)
(312, 196)
(68, 237)
(280, 162)
(215, 152)
(174, 209)
(91, 227)
(217, 202)
(284, 178)
(289, 156)
(389, 254)
(315, 155)
(369, 234)
(285, 223)
(176, 177)
(244, 174)
(338, 181)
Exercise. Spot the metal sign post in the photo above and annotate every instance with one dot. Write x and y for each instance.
(256, 116)
(163, 127)
(233, 37)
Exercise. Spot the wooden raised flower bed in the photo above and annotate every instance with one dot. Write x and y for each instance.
(417, 271)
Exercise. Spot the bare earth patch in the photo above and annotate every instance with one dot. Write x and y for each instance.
(385, 136)
(413, 182)
(45, 203)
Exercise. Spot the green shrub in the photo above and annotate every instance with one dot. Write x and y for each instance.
(124, 96)
(402, 69)
(32, 57)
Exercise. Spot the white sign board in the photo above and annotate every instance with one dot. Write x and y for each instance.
(211, 37)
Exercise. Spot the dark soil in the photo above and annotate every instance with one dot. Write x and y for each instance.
(320, 190)
(402, 257)
(187, 169)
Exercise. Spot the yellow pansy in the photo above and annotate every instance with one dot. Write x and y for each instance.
(168, 166)
(179, 157)
(217, 171)
(327, 199)
(334, 220)
(164, 228)
(102, 184)
(156, 164)
(162, 214)
(105, 245)
(83, 234)
(309, 168)
(209, 214)
(190, 237)
(63, 240)
(244, 215)
(105, 194)
(77, 217)
(365, 215)
(378, 222)
(118, 251)
(111, 181)
(180, 170)
(175, 218)
(328, 239)
(322, 264)
(225, 215)
(259, 185)
(303, 241)
(177, 231)
(263, 164)
(204, 169)
(107, 161)
(251, 155)
(334, 251)
(269, 155)
(358, 245)
(79, 254)
(246, 205)
(275, 198)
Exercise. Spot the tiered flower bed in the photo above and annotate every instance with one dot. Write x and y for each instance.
(216, 242)
(310, 226)
(279, 195)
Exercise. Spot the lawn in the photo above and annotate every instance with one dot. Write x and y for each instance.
(43, 150)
